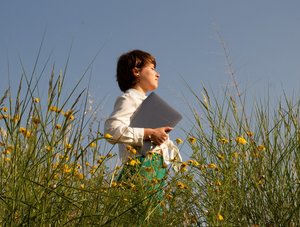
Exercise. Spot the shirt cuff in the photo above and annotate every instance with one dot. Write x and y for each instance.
(138, 136)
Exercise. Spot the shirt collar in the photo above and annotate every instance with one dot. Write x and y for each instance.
(136, 93)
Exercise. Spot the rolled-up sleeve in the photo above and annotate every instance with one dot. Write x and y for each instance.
(118, 123)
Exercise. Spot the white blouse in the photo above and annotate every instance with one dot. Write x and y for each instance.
(118, 123)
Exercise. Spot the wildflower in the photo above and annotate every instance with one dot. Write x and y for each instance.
(49, 148)
(114, 184)
(54, 109)
(131, 150)
(26, 133)
(87, 164)
(16, 118)
(4, 109)
(261, 148)
(81, 186)
(109, 155)
(36, 100)
(6, 151)
(134, 162)
(92, 145)
(107, 136)
(66, 169)
(54, 165)
(4, 116)
(220, 156)
(168, 196)
(212, 166)
(192, 140)
(22, 130)
(181, 185)
(58, 126)
(179, 141)
(68, 146)
(249, 133)
(220, 217)
(235, 154)
(79, 176)
(223, 141)
(193, 162)
(218, 183)
(35, 120)
(183, 169)
(71, 117)
(241, 140)
(6, 159)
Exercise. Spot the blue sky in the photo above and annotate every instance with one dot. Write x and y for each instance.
(262, 38)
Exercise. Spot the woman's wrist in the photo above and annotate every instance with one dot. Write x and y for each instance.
(148, 132)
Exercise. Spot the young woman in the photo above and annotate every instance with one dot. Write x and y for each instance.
(136, 76)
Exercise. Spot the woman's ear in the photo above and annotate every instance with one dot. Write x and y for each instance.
(135, 72)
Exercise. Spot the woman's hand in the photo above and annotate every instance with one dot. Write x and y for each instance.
(157, 135)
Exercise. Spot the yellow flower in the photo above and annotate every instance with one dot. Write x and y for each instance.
(22, 130)
(114, 184)
(223, 141)
(249, 133)
(220, 156)
(16, 118)
(107, 136)
(131, 150)
(49, 148)
(193, 162)
(4, 109)
(6, 151)
(218, 183)
(36, 100)
(68, 146)
(26, 133)
(220, 217)
(79, 176)
(192, 140)
(58, 126)
(6, 159)
(71, 117)
(181, 185)
(183, 169)
(4, 116)
(134, 162)
(93, 144)
(179, 141)
(82, 186)
(212, 166)
(261, 148)
(54, 109)
(168, 196)
(66, 169)
(36, 120)
(241, 140)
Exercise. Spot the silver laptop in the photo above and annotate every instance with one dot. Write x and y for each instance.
(154, 112)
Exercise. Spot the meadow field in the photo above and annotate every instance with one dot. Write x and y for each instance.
(55, 164)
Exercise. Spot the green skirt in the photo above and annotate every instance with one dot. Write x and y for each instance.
(149, 170)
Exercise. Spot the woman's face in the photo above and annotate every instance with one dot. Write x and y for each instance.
(148, 78)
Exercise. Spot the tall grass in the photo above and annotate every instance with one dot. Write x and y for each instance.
(55, 165)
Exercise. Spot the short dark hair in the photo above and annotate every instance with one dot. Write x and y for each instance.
(127, 62)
